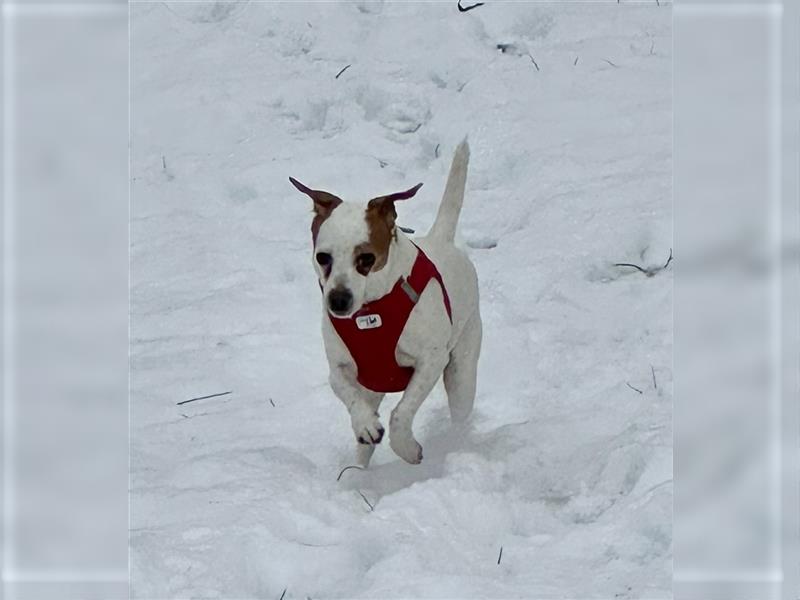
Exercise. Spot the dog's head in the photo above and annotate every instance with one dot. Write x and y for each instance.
(351, 242)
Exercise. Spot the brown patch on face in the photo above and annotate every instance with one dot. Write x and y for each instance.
(324, 204)
(380, 216)
(380, 225)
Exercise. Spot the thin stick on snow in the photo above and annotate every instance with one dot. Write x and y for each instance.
(649, 271)
(371, 508)
(652, 45)
(633, 388)
(466, 8)
(611, 63)
(164, 162)
(653, 371)
(342, 71)
(669, 260)
(576, 61)
(346, 468)
(501, 555)
(284, 593)
(203, 398)
(436, 151)
(533, 61)
(645, 271)
(271, 402)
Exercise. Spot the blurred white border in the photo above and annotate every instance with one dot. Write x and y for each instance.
(780, 506)
(22, 581)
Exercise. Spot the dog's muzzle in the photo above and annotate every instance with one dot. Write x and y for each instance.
(340, 301)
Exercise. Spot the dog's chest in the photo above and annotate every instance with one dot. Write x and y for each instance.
(372, 334)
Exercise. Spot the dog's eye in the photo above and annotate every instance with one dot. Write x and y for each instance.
(366, 260)
(324, 259)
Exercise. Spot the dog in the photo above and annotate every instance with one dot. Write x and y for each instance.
(397, 313)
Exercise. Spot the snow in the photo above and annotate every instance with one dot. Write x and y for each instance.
(562, 464)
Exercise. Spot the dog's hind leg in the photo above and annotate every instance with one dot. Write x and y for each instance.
(461, 373)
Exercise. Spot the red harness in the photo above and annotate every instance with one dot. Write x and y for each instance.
(372, 333)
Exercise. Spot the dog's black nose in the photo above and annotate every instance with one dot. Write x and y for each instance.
(340, 301)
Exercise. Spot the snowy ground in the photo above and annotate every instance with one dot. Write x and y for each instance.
(564, 466)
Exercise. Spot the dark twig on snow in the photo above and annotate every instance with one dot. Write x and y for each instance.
(576, 61)
(611, 63)
(633, 388)
(202, 414)
(669, 260)
(203, 398)
(652, 45)
(500, 556)
(645, 271)
(436, 151)
(164, 162)
(533, 61)
(653, 371)
(466, 8)
(342, 71)
(346, 468)
(650, 271)
(271, 402)
(283, 594)
(371, 508)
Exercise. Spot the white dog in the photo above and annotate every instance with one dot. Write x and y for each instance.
(396, 313)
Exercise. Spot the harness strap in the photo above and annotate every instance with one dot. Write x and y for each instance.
(410, 292)
(421, 273)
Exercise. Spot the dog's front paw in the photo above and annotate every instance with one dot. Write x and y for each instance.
(367, 428)
(407, 448)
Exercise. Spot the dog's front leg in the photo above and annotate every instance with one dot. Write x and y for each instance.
(362, 404)
(401, 436)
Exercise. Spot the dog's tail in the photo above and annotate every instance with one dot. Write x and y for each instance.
(444, 227)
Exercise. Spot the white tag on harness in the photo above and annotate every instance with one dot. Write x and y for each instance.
(368, 321)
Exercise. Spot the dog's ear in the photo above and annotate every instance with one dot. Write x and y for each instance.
(396, 196)
(383, 206)
(324, 202)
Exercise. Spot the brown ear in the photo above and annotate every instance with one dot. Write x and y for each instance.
(384, 205)
(324, 202)
(398, 195)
